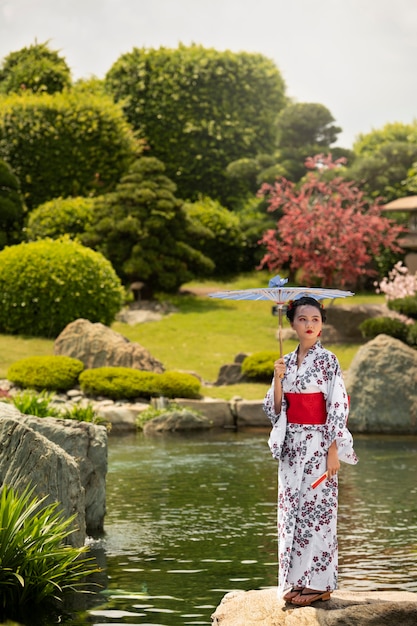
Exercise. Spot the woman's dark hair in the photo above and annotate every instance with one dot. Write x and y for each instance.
(293, 304)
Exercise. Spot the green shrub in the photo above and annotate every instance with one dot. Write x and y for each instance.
(118, 382)
(374, 326)
(57, 373)
(59, 217)
(36, 566)
(31, 403)
(221, 238)
(124, 382)
(412, 335)
(46, 284)
(177, 385)
(260, 366)
(406, 306)
(65, 144)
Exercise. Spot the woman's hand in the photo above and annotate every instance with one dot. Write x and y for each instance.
(279, 368)
(333, 463)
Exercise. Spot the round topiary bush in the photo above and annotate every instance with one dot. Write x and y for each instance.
(406, 306)
(57, 373)
(124, 382)
(177, 385)
(374, 326)
(46, 284)
(118, 383)
(58, 217)
(260, 366)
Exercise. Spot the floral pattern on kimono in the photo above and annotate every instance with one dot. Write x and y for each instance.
(307, 518)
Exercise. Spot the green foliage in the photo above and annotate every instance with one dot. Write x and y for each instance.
(117, 382)
(59, 217)
(225, 242)
(82, 413)
(374, 326)
(177, 385)
(302, 124)
(142, 229)
(66, 144)
(412, 335)
(36, 566)
(200, 109)
(29, 402)
(57, 373)
(260, 366)
(123, 382)
(12, 207)
(46, 284)
(36, 68)
(407, 306)
(384, 160)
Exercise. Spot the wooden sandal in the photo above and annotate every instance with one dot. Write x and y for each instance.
(294, 591)
(308, 596)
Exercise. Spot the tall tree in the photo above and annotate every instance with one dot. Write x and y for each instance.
(303, 124)
(143, 230)
(200, 109)
(383, 160)
(327, 233)
(36, 68)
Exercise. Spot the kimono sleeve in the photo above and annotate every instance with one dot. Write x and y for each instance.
(337, 403)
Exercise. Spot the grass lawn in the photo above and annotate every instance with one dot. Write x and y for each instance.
(202, 335)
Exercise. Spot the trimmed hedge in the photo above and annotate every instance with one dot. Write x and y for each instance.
(260, 366)
(370, 328)
(59, 217)
(55, 373)
(46, 284)
(66, 144)
(123, 382)
(405, 306)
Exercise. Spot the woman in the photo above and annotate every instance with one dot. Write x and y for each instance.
(308, 406)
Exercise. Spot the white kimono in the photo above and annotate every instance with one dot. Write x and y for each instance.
(307, 518)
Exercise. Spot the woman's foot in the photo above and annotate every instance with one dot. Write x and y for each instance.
(307, 596)
(294, 591)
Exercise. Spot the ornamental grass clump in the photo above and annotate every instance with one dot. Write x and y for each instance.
(36, 565)
(54, 373)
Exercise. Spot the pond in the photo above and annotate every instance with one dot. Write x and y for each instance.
(193, 517)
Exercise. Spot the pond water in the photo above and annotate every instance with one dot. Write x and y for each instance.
(193, 517)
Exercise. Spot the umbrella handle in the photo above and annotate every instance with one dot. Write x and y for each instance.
(280, 330)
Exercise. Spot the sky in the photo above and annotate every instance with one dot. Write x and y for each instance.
(356, 57)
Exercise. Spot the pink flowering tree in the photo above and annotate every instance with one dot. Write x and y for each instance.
(398, 284)
(328, 232)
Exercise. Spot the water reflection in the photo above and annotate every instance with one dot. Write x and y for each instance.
(191, 518)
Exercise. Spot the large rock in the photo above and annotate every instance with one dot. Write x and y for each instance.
(173, 421)
(96, 345)
(28, 459)
(382, 383)
(359, 608)
(87, 445)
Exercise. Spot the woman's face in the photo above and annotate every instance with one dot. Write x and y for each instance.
(307, 322)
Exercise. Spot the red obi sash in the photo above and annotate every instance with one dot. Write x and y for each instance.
(306, 408)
